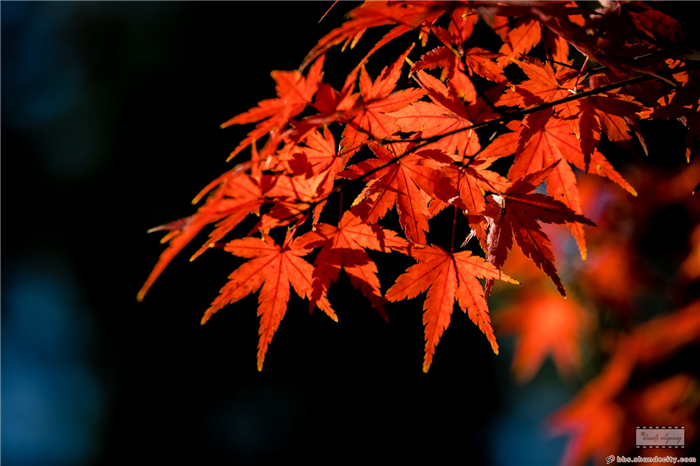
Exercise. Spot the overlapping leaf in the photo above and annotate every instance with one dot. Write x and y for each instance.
(516, 215)
(468, 183)
(345, 247)
(552, 142)
(370, 116)
(404, 183)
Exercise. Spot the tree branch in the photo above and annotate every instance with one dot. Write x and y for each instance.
(422, 142)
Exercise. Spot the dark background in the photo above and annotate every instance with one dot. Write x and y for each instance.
(110, 126)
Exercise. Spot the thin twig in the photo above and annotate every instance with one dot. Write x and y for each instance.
(324, 14)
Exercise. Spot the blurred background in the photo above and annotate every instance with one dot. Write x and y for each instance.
(110, 126)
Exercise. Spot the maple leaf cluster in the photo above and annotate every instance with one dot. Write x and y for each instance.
(551, 83)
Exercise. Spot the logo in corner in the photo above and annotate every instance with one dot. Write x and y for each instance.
(610, 459)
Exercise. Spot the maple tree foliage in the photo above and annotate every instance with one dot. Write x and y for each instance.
(553, 84)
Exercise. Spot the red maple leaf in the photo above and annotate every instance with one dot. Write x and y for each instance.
(595, 418)
(520, 40)
(447, 277)
(432, 120)
(515, 215)
(543, 85)
(308, 173)
(373, 14)
(274, 268)
(450, 61)
(235, 195)
(609, 113)
(345, 247)
(554, 142)
(469, 183)
(294, 93)
(446, 116)
(404, 183)
(370, 115)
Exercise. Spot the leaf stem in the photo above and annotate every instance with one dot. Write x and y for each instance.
(454, 227)
(340, 210)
